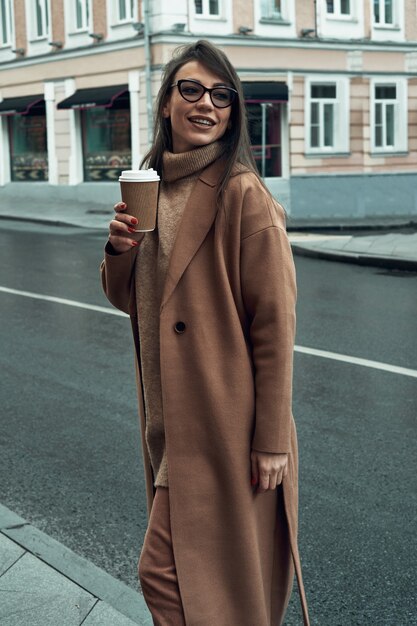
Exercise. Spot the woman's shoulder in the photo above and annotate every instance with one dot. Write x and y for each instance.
(247, 192)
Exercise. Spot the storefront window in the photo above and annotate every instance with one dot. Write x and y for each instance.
(265, 134)
(106, 143)
(28, 147)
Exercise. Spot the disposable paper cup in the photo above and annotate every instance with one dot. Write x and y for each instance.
(139, 190)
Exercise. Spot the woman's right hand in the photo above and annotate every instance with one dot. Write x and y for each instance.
(121, 229)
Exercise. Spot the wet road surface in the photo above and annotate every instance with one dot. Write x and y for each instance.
(69, 439)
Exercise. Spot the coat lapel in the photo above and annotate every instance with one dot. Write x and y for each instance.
(199, 214)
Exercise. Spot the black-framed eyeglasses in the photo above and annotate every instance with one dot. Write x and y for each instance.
(192, 91)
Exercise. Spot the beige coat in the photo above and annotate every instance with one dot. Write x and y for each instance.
(226, 385)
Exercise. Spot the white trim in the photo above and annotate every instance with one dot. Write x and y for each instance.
(4, 150)
(285, 142)
(37, 44)
(221, 24)
(49, 95)
(341, 115)
(338, 26)
(206, 10)
(388, 32)
(6, 53)
(119, 29)
(134, 91)
(77, 37)
(286, 27)
(75, 174)
(400, 116)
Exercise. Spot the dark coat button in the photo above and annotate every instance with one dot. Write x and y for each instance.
(179, 327)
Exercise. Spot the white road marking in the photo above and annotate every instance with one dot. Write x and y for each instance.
(394, 369)
(75, 303)
(378, 365)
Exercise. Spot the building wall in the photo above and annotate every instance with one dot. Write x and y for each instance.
(273, 52)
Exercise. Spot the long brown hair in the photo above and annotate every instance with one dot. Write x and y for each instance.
(236, 137)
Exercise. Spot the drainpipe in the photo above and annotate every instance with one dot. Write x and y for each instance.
(315, 19)
(148, 78)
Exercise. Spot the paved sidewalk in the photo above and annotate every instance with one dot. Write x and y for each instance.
(394, 250)
(43, 583)
(391, 250)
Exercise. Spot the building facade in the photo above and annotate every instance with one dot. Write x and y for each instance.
(330, 88)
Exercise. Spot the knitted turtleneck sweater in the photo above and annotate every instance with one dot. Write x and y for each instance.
(180, 173)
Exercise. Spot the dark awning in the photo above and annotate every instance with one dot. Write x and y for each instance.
(265, 91)
(22, 105)
(116, 96)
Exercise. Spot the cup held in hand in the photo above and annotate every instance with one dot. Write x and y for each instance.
(139, 190)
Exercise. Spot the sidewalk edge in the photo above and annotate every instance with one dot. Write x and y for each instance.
(78, 569)
(387, 262)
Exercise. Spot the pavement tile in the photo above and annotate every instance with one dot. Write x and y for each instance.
(104, 615)
(10, 552)
(33, 593)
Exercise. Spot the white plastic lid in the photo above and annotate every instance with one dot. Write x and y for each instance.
(139, 176)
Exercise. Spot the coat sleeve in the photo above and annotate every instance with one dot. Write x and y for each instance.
(269, 294)
(116, 276)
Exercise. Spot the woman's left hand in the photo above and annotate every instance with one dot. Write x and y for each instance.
(268, 469)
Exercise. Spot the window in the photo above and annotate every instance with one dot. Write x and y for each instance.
(81, 14)
(28, 147)
(41, 18)
(5, 23)
(264, 123)
(125, 10)
(207, 8)
(385, 101)
(338, 8)
(327, 116)
(389, 115)
(322, 106)
(272, 9)
(106, 143)
(384, 12)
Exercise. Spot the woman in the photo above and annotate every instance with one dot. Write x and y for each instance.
(211, 295)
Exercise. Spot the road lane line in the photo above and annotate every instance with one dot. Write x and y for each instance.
(335, 356)
(75, 303)
(378, 365)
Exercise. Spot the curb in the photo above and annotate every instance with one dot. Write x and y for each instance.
(393, 263)
(79, 570)
(50, 222)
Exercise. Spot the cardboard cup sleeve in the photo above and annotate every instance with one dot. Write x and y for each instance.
(142, 201)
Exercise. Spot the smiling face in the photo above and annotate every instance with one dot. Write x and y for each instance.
(195, 124)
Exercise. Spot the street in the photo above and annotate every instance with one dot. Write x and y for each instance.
(69, 437)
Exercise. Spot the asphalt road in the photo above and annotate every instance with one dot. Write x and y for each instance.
(69, 439)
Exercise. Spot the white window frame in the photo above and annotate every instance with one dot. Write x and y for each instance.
(120, 29)
(341, 116)
(208, 25)
(130, 11)
(338, 25)
(278, 25)
(383, 31)
(206, 15)
(400, 115)
(37, 44)
(337, 13)
(76, 37)
(45, 19)
(6, 21)
(269, 15)
(85, 15)
(383, 23)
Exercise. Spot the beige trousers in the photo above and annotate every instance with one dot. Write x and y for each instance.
(157, 573)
